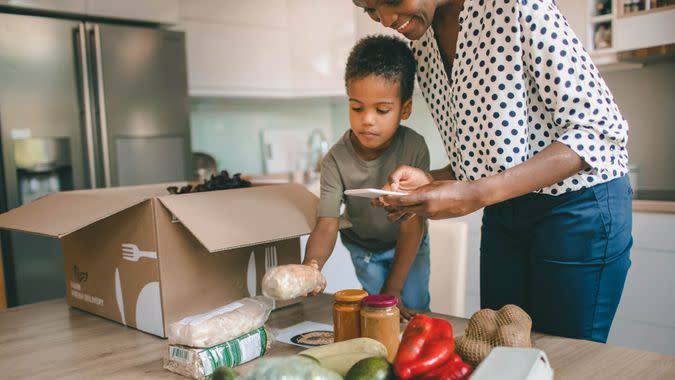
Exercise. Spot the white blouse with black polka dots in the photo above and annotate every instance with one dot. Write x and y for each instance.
(520, 80)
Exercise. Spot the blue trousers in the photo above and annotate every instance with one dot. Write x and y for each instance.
(372, 269)
(563, 259)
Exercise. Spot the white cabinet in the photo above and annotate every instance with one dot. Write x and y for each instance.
(320, 45)
(160, 11)
(269, 48)
(645, 30)
(236, 48)
(69, 6)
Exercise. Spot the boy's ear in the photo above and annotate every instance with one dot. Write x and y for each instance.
(406, 109)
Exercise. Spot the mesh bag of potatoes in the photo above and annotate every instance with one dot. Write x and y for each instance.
(509, 326)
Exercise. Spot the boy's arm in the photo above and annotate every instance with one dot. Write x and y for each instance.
(409, 238)
(321, 243)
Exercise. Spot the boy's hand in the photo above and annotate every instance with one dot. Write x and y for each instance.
(406, 313)
(322, 285)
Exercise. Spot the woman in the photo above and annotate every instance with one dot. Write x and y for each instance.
(534, 136)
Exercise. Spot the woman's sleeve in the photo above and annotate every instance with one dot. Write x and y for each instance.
(561, 73)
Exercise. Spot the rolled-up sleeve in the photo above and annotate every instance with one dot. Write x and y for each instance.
(586, 118)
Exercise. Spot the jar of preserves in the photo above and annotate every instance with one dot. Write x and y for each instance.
(347, 314)
(380, 321)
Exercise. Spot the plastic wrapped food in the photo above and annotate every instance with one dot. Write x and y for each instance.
(200, 363)
(510, 326)
(287, 282)
(222, 324)
(291, 368)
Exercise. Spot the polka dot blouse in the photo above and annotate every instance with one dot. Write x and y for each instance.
(520, 81)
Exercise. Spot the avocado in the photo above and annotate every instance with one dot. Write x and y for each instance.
(224, 373)
(375, 368)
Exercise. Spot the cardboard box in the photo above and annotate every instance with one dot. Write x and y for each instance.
(144, 258)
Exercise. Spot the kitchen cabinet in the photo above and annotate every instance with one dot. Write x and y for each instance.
(319, 46)
(606, 29)
(270, 48)
(69, 6)
(158, 11)
(645, 315)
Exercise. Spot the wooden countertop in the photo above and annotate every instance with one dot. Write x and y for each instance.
(661, 207)
(53, 341)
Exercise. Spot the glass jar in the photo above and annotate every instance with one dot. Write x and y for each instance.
(347, 314)
(380, 321)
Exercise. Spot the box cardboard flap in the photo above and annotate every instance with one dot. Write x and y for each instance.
(229, 219)
(59, 214)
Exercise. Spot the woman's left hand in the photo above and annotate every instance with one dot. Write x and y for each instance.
(437, 200)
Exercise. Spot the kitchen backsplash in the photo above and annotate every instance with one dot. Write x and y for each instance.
(230, 129)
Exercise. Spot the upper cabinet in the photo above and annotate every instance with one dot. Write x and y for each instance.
(321, 35)
(160, 11)
(610, 27)
(157, 11)
(270, 48)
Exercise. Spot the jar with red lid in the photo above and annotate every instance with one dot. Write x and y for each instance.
(380, 320)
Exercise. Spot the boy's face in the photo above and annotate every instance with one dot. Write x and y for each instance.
(375, 110)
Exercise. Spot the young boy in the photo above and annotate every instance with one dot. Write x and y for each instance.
(390, 258)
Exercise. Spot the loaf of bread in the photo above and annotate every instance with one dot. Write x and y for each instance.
(222, 324)
(287, 282)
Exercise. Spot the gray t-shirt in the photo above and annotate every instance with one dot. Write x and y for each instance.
(342, 169)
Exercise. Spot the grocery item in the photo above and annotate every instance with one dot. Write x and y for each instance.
(512, 363)
(199, 363)
(453, 369)
(380, 321)
(291, 281)
(291, 368)
(376, 368)
(222, 324)
(347, 314)
(427, 344)
(509, 326)
(341, 356)
(224, 373)
(223, 181)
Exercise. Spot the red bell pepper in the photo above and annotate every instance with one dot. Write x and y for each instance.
(427, 344)
(453, 369)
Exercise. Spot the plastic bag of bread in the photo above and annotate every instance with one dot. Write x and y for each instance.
(222, 324)
(287, 282)
(510, 326)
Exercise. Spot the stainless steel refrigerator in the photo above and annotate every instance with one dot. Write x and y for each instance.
(83, 105)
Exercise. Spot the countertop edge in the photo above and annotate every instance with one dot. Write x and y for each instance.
(662, 207)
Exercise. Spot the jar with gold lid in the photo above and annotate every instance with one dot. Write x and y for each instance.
(347, 314)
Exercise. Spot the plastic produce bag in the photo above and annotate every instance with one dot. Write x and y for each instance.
(222, 324)
(291, 368)
(287, 282)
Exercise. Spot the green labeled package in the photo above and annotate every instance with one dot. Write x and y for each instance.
(200, 363)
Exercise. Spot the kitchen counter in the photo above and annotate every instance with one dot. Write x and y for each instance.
(52, 340)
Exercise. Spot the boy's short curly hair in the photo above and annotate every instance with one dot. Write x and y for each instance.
(385, 56)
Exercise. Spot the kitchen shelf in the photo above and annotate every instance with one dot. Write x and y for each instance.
(601, 18)
(646, 12)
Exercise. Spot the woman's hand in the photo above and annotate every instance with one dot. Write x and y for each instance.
(437, 200)
(405, 179)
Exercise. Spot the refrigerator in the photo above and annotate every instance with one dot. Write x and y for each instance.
(83, 105)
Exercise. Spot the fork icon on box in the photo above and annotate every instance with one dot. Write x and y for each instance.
(270, 258)
(132, 253)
